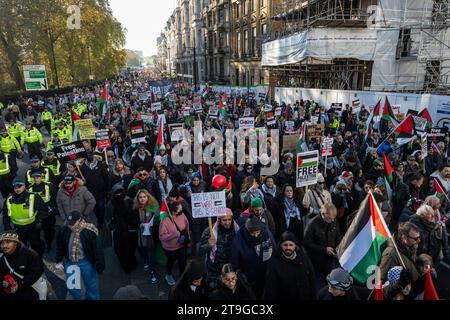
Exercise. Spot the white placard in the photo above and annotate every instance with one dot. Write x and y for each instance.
(247, 123)
(156, 106)
(327, 146)
(278, 112)
(208, 204)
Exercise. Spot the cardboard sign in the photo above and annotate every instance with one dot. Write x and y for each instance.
(247, 123)
(86, 129)
(290, 142)
(137, 131)
(213, 112)
(208, 204)
(316, 130)
(307, 168)
(102, 137)
(327, 146)
(143, 97)
(70, 151)
(156, 106)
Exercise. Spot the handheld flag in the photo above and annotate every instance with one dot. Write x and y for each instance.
(405, 131)
(302, 146)
(425, 114)
(362, 245)
(440, 193)
(368, 126)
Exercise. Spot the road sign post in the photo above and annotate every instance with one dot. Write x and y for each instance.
(35, 77)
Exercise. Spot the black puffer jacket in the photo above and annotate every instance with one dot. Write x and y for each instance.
(97, 179)
(318, 236)
(243, 291)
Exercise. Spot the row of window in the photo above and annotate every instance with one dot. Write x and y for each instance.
(245, 6)
(243, 47)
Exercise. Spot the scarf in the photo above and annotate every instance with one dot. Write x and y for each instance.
(272, 191)
(72, 192)
(165, 187)
(212, 254)
(76, 244)
(290, 210)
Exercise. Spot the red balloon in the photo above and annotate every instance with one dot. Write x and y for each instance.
(219, 181)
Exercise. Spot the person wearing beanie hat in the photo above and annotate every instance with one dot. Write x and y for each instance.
(340, 287)
(290, 273)
(216, 249)
(25, 262)
(191, 286)
(252, 248)
(257, 208)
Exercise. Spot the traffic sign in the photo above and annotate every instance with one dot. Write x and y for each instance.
(35, 77)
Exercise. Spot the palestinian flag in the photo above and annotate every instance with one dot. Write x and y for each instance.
(164, 211)
(425, 114)
(405, 131)
(160, 137)
(388, 115)
(424, 286)
(440, 193)
(368, 126)
(388, 168)
(105, 100)
(302, 146)
(362, 245)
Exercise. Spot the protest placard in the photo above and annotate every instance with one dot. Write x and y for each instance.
(436, 134)
(327, 146)
(143, 96)
(213, 112)
(147, 118)
(247, 123)
(314, 119)
(307, 168)
(268, 108)
(156, 106)
(208, 204)
(290, 142)
(337, 107)
(70, 151)
(316, 130)
(102, 137)
(137, 131)
(419, 123)
(85, 128)
(289, 127)
(277, 111)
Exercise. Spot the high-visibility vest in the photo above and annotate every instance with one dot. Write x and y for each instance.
(4, 166)
(45, 194)
(336, 123)
(32, 135)
(47, 116)
(45, 176)
(19, 214)
(15, 129)
(9, 143)
(53, 168)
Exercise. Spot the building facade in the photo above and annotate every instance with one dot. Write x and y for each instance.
(249, 27)
(217, 39)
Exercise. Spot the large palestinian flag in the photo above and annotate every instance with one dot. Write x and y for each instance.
(368, 126)
(388, 113)
(362, 245)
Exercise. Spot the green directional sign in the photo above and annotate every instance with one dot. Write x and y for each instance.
(33, 85)
(38, 74)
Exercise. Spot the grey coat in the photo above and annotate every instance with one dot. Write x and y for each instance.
(82, 201)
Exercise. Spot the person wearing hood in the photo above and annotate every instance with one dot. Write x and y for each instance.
(121, 174)
(344, 202)
(122, 221)
(270, 191)
(233, 286)
(97, 182)
(216, 247)
(73, 197)
(251, 250)
(290, 273)
(141, 180)
(316, 197)
(191, 286)
(141, 158)
(287, 175)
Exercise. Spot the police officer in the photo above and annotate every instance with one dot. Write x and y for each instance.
(25, 211)
(15, 129)
(47, 118)
(7, 174)
(63, 132)
(54, 142)
(33, 138)
(47, 174)
(48, 194)
(52, 163)
(10, 145)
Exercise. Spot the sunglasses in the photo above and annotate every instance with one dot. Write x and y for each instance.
(142, 174)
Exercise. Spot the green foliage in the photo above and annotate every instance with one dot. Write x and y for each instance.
(32, 30)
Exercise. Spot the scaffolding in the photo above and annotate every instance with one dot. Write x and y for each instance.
(423, 49)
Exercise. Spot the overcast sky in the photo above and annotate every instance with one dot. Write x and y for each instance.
(144, 21)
